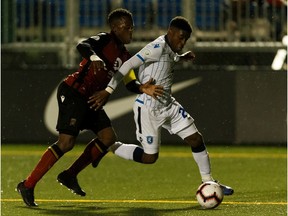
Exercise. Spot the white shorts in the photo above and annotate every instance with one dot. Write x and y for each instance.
(150, 121)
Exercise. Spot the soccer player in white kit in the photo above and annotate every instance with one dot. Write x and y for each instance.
(156, 60)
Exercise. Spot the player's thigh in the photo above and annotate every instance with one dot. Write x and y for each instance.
(99, 122)
(148, 129)
(72, 110)
(181, 123)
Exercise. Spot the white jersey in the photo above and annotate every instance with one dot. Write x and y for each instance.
(158, 63)
(156, 60)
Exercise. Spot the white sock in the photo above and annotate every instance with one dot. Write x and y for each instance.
(203, 162)
(123, 150)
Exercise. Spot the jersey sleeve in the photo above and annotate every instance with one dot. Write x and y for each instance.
(93, 45)
(151, 52)
(133, 62)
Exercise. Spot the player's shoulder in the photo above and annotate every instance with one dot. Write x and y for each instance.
(101, 36)
(158, 43)
(154, 49)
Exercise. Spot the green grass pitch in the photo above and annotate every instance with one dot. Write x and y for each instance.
(119, 187)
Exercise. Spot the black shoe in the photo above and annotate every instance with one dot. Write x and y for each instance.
(64, 178)
(27, 194)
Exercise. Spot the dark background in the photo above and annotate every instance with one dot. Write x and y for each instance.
(240, 100)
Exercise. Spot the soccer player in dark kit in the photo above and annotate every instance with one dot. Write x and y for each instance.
(103, 55)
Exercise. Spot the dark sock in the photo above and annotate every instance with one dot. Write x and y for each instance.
(137, 154)
(199, 148)
(95, 150)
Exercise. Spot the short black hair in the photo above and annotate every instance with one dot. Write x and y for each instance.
(181, 23)
(118, 14)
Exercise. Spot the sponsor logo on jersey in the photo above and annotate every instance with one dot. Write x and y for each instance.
(156, 45)
(62, 98)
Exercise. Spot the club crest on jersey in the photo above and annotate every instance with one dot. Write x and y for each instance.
(149, 139)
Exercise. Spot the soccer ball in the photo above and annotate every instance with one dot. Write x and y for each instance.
(209, 195)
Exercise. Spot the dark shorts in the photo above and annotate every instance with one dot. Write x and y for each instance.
(75, 114)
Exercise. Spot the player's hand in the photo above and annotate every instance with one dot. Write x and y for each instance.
(150, 89)
(98, 99)
(187, 56)
(97, 65)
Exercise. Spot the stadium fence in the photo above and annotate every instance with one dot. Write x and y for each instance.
(222, 24)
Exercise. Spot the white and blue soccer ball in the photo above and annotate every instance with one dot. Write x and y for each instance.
(209, 195)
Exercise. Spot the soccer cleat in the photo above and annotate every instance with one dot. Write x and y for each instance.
(226, 189)
(64, 178)
(27, 194)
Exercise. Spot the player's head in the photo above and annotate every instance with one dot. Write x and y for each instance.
(121, 24)
(179, 32)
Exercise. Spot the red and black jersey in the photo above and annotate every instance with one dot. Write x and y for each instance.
(110, 50)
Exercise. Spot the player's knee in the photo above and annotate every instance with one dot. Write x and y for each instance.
(149, 158)
(65, 142)
(107, 137)
(195, 140)
(108, 141)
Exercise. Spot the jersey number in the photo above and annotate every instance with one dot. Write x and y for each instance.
(183, 112)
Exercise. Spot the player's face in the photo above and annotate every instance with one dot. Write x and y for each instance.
(124, 30)
(177, 38)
